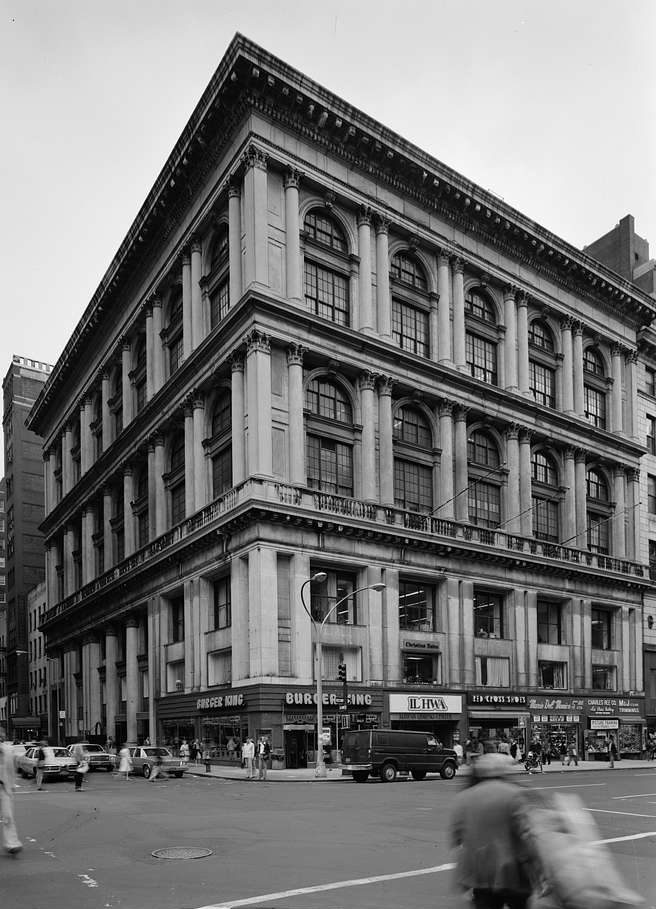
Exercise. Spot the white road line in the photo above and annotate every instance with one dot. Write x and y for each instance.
(641, 795)
(627, 813)
(573, 786)
(622, 839)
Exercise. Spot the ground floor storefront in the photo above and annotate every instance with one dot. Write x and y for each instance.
(439, 714)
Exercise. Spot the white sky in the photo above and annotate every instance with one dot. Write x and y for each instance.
(550, 105)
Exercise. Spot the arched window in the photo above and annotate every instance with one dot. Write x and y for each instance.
(542, 364)
(329, 438)
(220, 445)
(413, 461)
(545, 496)
(218, 278)
(484, 492)
(481, 336)
(173, 333)
(594, 383)
(598, 511)
(175, 479)
(410, 305)
(326, 268)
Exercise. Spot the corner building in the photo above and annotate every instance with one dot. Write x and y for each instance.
(319, 349)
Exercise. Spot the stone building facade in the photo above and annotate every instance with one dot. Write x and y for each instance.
(319, 351)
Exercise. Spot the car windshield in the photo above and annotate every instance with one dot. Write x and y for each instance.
(60, 752)
(154, 752)
(93, 748)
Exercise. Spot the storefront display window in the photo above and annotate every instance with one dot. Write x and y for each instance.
(174, 731)
(420, 668)
(630, 739)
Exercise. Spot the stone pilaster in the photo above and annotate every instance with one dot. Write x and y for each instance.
(260, 451)
(131, 678)
(158, 348)
(196, 293)
(200, 466)
(512, 522)
(386, 454)
(459, 349)
(292, 235)
(296, 440)
(579, 398)
(510, 340)
(525, 498)
(619, 515)
(367, 384)
(126, 384)
(238, 418)
(581, 499)
(445, 509)
(364, 284)
(522, 345)
(190, 500)
(234, 242)
(616, 389)
(383, 300)
(256, 217)
(444, 311)
(568, 365)
(462, 473)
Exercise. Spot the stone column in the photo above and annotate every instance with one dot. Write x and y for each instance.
(256, 217)
(51, 566)
(522, 345)
(86, 439)
(155, 647)
(200, 467)
(131, 677)
(262, 612)
(634, 523)
(512, 522)
(52, 467)
(69, 567)
(532, 635)
(186, 303)
(196, 296)
(108, 547)
(568, 365)
(367, 384)
(434, 326)
(260, 450)
(616, 389)
(445, 509)
(444, 309)
(150, 347)
(190, 502)
(385, 429)
(238, 418)
(189, 633)
(152, 529)
(91, 683)
(383, 301)
(569, 530)
(631, 394)
(234, 242)
(111, 680)
(619, 515)
(459, 350)
(292, 235)
(364, 284)
(160, 490)
(126, 382)
(579, 397)
(581, 499)
(296, 431)
(67, 459)
(454, 612)
(158, 349)
(129, 534)
(510, 341)
(88, 566)
(525, 482)
(106, 415)
(462, 474)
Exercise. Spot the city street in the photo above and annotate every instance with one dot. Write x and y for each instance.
(338, 843)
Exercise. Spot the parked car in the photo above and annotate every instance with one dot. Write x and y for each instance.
(59, 764)
(145, 757)
(385, 753)
(99, 759)
(19, 749)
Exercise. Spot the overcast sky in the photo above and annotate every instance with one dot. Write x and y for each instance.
(550, 105)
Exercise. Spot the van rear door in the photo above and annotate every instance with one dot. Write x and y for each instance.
(356, 747)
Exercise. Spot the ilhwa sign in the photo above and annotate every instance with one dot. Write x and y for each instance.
(428, 703)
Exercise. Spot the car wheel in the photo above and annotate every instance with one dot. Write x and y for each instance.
(146, 771)
(448, 772)
(418, 775)
(360, 776)
(388, 773)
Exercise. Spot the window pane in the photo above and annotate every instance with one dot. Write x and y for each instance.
(406, 269)
(413, 486)
(540, 336)
(596, 486)
(595, 407)
(325, 399)
(481, 449)
(222, 607)
(484, 504)
(601, 629)
(326, 293)
(493, 671)
(412, 427)
(416, 610)
(323, 229)
(545, 519)
(222, 471)
(543, 469)
(542, 383)
(598, 532)
(410, 328)
(329, 466)
(481, 358)
(548, 623)
(219, 303)
(480, 307)
(178, 503)
(592, 363)
(488, 614)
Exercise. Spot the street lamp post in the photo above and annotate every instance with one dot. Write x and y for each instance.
(319, 578)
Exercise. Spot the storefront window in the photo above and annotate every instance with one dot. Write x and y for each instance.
(223, 736)
(174, 732)
(418, 668)
(630, 739)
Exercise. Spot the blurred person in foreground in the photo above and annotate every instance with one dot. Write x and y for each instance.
(485, 830)
(7, 783)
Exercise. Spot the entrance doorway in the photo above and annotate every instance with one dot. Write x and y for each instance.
(296, 746)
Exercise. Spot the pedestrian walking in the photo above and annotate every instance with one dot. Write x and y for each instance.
(184, 751)
(157, 766)
(460, 754)
(572, 754)
(485, 829)
(562, 751)
(193, 751)
(79, 752)
(7, 783)
(125, 762)
(612, 751)
(263, 752)
(248, 755)
(45, 755)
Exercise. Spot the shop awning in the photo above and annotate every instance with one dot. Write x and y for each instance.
(497, 714)
(298, 727)
(26, 721)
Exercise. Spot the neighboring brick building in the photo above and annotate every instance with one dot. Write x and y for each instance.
(322, 360)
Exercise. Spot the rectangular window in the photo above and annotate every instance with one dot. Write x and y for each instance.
(481, 356)
(350, 656)
(595, 407)
(222, 609)
(651, 495)
(219, 667)
(410, 328)
(175, 673)
(651, 435)
(327, 293)
(484, 504)
(552, 675)
(175, 354)
(177, 503)
(337, 588)
(413, 486)
(543, 384)
(598, 533)
(652, 565)
(177, 620)
(329, 466)
(603, 678)
(219, 303)
(549, 617)
(545, 519)
(420, 669)
(141, 395)
(222, 471)
(142, 528)
(416, 606)
(492, 672)
(488, 614)
(650, 381)
(602, 627)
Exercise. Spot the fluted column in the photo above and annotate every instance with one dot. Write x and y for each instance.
(260, 451)
(256, 216)
(189, 456)
(581, 499)
(446, 461)
(525, 499)
(444, 310)
(160, 490)
(234, 242)
(196, 295)
(129, 534)
(150, 347)
(569, 529)
(158, 348)
(512, 522)
(634, 522)
(568, 365)
(126, 383)
(131, 678)
(88, 563)
(459, 351)
(383, 301)
(522, 345)
(108, 548)
(462, 473)
(364, 284)
(579, 398)
(238, 418)
(385, 428)
(292, 235)
(510, 340)
(295, 403)
(619, 515)
(111, 680)
(367, 384)
(200, 468)
(106, 416)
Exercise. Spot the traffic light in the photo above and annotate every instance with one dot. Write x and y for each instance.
(341, 670)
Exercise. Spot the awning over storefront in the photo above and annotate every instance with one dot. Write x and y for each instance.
(298, 727)
(497, 714)
(25, 721)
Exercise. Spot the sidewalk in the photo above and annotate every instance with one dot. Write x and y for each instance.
(306, 775)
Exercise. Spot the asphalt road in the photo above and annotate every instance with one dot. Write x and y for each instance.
(341, 844)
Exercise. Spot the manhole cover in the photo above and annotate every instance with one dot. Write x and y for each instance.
(181, 852)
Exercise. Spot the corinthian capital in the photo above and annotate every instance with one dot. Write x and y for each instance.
(257, 341)
(255, 157)
(367, 381)
(292, 178)
(295, 355)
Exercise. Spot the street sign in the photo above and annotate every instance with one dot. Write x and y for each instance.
(62, 714)
(326, 737)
